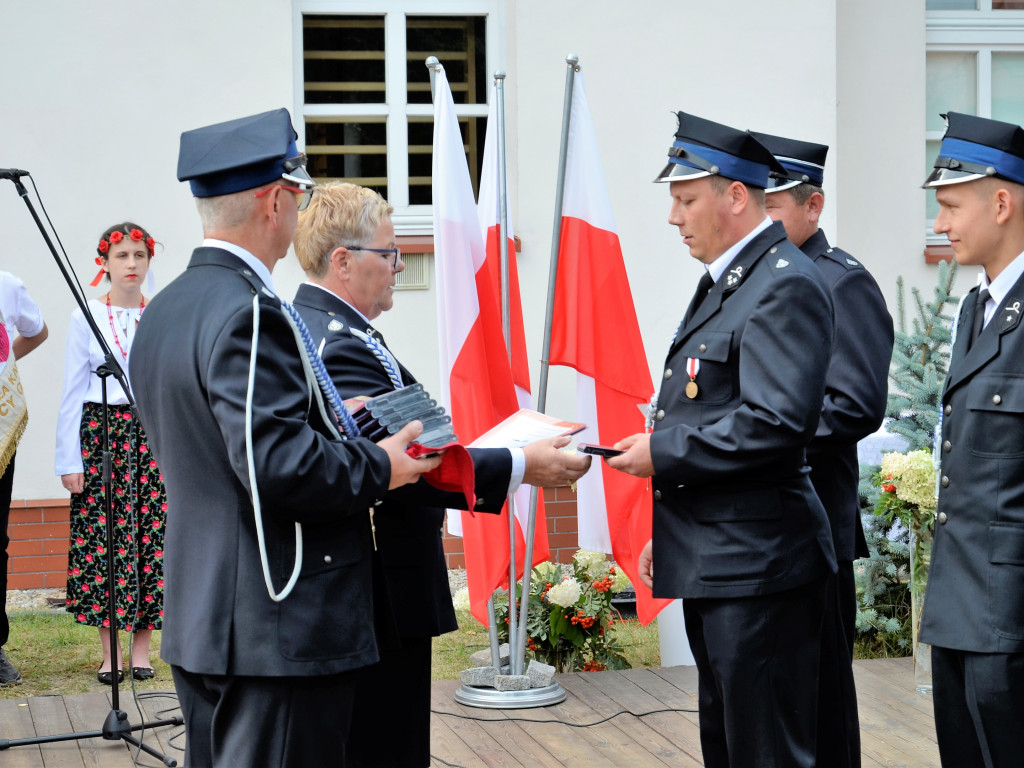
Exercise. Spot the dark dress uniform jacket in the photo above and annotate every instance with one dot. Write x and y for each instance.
(408, 522)
(856, 390)
(734, 511)
(975, 597)
(190, 365)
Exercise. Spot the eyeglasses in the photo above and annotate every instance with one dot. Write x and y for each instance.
(305, 194)
(382, 251)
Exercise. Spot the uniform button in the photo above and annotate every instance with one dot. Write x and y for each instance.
(330, 314)
(942, 518)
(247, 273)
(829, 251)
(657, 495)
(660, 416)
(327, 558)
(945, 482)
(948, 410)
(997, 399)
(947, 446)
(703, 348)
(774, 250)
(668, 374)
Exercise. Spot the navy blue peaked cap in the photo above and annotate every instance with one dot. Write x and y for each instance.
(804, 161)
(706, 148)
(241, 154)
(976, 147)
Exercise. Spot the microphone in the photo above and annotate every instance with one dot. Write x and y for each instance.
(12, 173)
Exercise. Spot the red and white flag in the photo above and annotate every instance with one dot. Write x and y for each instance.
(489, 214)
(476, 378)
(595, 331)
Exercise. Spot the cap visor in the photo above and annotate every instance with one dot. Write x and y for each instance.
(941, 177)
(298, 176)
(782, 184)
(679, 172)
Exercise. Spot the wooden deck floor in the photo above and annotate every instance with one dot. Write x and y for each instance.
(896, 725)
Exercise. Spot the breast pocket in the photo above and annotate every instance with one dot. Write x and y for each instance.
(996, 403)
(1006, 579)
(714, 378)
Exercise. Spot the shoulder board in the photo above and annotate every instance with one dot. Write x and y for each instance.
(842, 258)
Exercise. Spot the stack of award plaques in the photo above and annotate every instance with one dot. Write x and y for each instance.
(386, 414)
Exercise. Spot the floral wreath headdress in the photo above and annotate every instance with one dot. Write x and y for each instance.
(116, 237)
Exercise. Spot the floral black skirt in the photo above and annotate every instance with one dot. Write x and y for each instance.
(139, 511)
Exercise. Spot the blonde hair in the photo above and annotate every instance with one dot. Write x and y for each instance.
(339, 214)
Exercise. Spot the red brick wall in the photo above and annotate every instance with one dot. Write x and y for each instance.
(563, 529)
(38, 551)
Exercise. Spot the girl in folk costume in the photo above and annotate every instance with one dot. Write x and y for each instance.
(139, 502)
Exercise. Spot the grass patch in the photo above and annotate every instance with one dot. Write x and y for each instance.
(57, 655)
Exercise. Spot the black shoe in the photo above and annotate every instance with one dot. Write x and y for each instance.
(143, 673)
(9, 674)
(104, 677)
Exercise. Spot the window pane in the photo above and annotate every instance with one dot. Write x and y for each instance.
(349, 150)
(952, 5)
(459, 44)
(421, 157)
(344, 59)
(931, 207)
(951, 85)
(1008, 87)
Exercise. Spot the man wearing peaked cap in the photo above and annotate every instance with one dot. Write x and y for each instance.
(856, 391)
(974, 606)
(739, 533)
(267, 556)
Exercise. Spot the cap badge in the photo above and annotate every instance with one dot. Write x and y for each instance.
(852, 262)
(334, 325)
(781, 263)
(734, 276)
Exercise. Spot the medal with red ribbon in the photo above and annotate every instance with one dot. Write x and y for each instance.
(692, 369)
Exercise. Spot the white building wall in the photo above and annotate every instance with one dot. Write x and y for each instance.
(95, 96)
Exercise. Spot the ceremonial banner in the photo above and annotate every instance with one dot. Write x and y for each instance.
(595, 331)
(476, 379)
(489, 214)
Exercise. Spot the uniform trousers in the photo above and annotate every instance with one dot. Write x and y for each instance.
(757, 659)
(391, 721)
(838, 719)
(6, 486)
(979, 701)
(264, 722)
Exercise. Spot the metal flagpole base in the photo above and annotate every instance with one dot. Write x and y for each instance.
(491, 698)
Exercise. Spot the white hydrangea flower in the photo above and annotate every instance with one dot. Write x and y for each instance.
(565, 593)
(594, 563)
(544, 571)
(461, 599)
(621, 582)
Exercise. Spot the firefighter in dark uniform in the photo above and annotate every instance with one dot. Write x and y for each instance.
(974, 606)
(856, 390)
(739, 533)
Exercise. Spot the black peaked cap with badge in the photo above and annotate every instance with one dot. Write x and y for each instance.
(241, 154)
(706, 148)
(976, 147)
(804, 161)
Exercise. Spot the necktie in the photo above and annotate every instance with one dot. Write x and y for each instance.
(979, 316)
(703, 286)
(323, 379)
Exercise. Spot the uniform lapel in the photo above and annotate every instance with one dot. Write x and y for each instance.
(963, 362)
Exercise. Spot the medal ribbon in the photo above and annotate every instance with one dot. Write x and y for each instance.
(692, 367)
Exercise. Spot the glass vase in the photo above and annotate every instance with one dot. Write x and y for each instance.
(920, 559)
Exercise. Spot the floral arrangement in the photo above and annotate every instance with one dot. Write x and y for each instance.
(571, 619)
(571, 622)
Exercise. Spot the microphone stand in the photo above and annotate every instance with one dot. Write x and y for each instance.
(116, 726)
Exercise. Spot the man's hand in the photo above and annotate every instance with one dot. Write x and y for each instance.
(645, 566)
(404, 468)
(548, 467)
(75, 482)
(637, 457)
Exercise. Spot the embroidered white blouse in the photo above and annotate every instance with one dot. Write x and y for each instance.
(82, 357)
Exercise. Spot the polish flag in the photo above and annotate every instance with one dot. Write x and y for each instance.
(489, 214)
(595, 331)
(476, 378)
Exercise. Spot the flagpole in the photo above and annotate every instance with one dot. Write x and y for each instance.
(572, 62)
(433, 63)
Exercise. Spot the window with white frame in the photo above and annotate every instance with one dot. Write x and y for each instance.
(975, 65)
(367, 114)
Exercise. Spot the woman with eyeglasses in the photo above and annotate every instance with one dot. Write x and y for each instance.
(138, 500)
